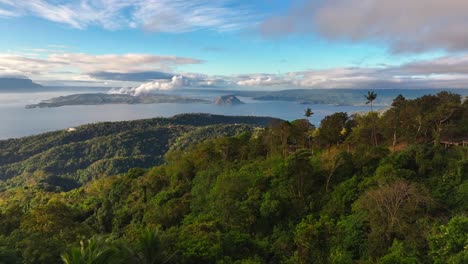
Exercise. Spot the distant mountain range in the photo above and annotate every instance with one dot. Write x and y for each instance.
(17, 84)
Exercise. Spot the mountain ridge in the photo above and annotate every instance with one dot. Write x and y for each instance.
(12, 84)
(94, 150)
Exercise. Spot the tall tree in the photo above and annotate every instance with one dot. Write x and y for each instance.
(308, 113)
(397, 105)
(371, 96)
(391, 211)
(331, 161)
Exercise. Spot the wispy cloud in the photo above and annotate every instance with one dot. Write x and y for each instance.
(405, 26)
(152, 15)
(6, 13)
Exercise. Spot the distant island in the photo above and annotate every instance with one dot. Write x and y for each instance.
(102, 98)
(12, 84)
(227, 100)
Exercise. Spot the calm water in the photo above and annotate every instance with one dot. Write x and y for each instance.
(16, 121)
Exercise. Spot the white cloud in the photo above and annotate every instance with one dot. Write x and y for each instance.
(149, 87)
(153, 15)
(6, 13)
(130, 69)
(265, 80)
(81, 66)
(443, 72)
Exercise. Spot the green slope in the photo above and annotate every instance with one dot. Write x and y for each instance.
(96, 150)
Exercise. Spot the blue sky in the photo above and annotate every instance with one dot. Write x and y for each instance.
(267, 44)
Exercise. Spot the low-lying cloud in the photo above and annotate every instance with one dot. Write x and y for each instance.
(154, 86)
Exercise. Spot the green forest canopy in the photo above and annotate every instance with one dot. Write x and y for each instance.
(371, 188)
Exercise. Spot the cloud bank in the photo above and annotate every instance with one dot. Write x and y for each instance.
(405, 26)
(159, 72)
(443, 72)
(86, 67)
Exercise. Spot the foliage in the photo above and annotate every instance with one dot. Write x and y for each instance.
(264, 195)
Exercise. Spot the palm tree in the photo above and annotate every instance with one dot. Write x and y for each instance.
(95, 252)
(371, 96)
(145, 250)
(149, 247)
(308, 113)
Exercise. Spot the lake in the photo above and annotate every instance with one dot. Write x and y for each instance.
(16, 121)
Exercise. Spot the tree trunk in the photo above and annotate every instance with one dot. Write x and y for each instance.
(328, 182)
(374, 134)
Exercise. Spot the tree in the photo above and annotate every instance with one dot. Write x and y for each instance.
(308, 113)
(399, 253)
(449, 103)
(334, 128)
(449, 242)
(312, 239)
(95, 251)
(147, 248)
(371, 96)
(391, 210)
(331, 161)
(301, 170)
(397, 105)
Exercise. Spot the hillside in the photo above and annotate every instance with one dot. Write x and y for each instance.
(103, 98)
(65, 159)
(342, 192)
(227, 100)
(17, 84)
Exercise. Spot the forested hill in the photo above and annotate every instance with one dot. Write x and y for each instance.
(373, 188)
(64, 159)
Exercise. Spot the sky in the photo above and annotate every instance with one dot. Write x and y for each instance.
(261, 44)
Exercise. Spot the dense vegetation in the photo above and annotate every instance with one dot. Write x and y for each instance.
(363, 189)
(63, 160)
